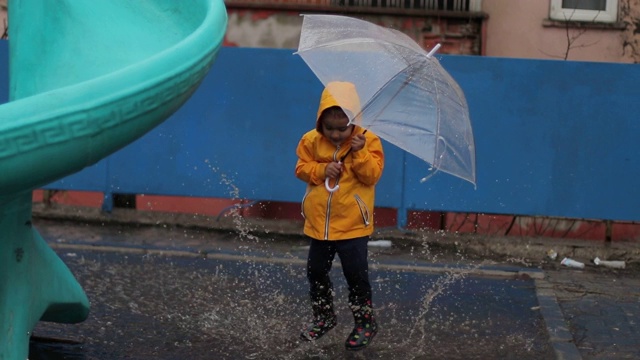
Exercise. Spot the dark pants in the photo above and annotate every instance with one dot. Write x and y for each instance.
(353, 256)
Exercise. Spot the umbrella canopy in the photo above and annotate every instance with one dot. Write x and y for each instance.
(407, 97)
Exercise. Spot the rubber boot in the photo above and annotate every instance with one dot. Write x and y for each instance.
(324, 318)
(365, 326)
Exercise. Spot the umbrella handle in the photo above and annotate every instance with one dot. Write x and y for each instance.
(328, 187)
(326, 180)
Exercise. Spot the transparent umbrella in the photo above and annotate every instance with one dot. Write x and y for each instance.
(407, 97)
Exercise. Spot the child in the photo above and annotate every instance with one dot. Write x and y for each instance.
(341, 221)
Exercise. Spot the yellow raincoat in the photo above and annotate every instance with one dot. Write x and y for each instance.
(348, 212)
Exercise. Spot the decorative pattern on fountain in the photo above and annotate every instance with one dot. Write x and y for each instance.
(82, 123)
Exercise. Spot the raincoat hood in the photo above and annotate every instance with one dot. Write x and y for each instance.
(342, 94)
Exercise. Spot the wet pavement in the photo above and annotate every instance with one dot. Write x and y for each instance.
(601, 309)
(170, 292)
(231, 297)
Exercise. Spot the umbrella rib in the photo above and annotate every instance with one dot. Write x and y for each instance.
(337, 42)
(355, 40)
(439, 114)
(411, 66)
(373, 98)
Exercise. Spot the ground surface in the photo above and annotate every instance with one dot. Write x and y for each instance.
(176, 288)
(248, 299)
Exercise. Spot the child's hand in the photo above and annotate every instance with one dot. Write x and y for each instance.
(357, 142)
(333, 170)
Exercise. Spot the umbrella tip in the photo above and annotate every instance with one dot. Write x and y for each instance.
(434, 50)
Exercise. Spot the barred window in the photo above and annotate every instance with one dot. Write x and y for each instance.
(435, 5)
(424, 5)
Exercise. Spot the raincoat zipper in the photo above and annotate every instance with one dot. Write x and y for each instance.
(328, 213)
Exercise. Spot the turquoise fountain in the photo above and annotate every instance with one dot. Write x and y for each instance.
(86, 79)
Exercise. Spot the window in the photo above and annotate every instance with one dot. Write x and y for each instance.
(584, 10)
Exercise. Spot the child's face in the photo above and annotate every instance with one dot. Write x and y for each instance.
(336, 128)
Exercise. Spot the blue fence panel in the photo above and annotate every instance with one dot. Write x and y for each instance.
(92, 178)
(236, 136)
(553, 138)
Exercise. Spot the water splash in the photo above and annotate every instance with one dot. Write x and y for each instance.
(242, 226)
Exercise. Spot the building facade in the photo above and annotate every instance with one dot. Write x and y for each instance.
(579, 30)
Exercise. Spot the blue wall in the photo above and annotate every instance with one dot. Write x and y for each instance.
(553, 138)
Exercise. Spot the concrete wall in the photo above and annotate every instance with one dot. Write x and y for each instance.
(519, 29)
(505, 28)
(3, 17)
(272, 28)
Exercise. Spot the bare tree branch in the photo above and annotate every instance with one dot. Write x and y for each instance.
(573, 36)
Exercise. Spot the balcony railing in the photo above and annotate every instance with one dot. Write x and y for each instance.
(425, 6)
(434, 5)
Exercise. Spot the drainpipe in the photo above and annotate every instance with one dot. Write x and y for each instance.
(401, 221)
(483, 36)
(608, 232)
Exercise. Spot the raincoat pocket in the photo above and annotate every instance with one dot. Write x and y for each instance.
(302, 205)
(364, 210)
